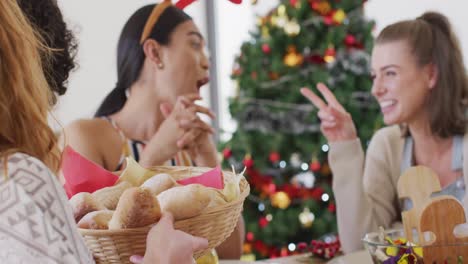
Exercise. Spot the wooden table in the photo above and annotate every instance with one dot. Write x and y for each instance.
(360, 257)
(299, 259)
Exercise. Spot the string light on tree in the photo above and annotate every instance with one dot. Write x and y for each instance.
(282, 164)
(325, 197)
(325, 148)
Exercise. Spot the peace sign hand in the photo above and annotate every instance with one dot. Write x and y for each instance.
(336, 123)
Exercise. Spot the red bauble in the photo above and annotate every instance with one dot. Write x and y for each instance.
(301, 246)
(248, 162)
(284, 252)
(269, 188)
(350, 40)
(266, 48)
(274, 157)
(315, 166)
(331, 207)
(263, 222)
(328, 20)
(249, 236)
(254, 75)
(227, 153)
(315, 59)
(293, 2)
(317, 194)
(330, 52)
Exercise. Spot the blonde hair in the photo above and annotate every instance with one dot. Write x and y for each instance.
(25, 98)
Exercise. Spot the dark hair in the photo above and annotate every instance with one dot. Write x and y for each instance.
(47, 19)
(130, 55)
(432, 40)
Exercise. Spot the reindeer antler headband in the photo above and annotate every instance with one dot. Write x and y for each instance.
(159, 9)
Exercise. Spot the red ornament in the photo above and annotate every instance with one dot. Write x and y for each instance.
(263, 222)
(332, 208)
(274, 157)
(261, 247)
(301, 246)
(248, 162)
(284, 252)
(328, 20)
(254, 75)
(317, 194)
(269, 188)
(330, 52)
(227, 153)
(325, 250)
(315, 166)
(266, 48)
(315, 59)
(249, 236)
(293, 2)
(350, 40)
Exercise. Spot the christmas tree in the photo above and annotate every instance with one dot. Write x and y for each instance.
(278, 140)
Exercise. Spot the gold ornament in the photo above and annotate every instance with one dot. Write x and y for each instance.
(339, 16)
(273, 76)
(265, 33)
(293, 58)
(208, 258)
(247, 248)
(306, 218)
(254, 2)
(323, 7)
(281, 10)
(292, 28)
(330, 54)
(281, 21)
(280, 200)
(248, 257)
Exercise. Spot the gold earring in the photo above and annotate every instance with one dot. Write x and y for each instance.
(160, 65)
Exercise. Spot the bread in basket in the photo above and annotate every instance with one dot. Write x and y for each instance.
(215, 223)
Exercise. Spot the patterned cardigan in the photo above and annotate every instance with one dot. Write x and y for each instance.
(36, 221)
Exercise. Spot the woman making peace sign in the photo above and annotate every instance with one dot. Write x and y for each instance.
(420, 83)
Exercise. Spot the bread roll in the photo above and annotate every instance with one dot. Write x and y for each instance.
(159, 183)
(185, 201)
(96, 220)
(83, 203)
(109, 196)
(217, 198)
(137, 207)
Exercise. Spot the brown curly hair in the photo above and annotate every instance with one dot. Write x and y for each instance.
(47, 19)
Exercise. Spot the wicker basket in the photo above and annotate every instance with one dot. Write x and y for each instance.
(214, 224)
